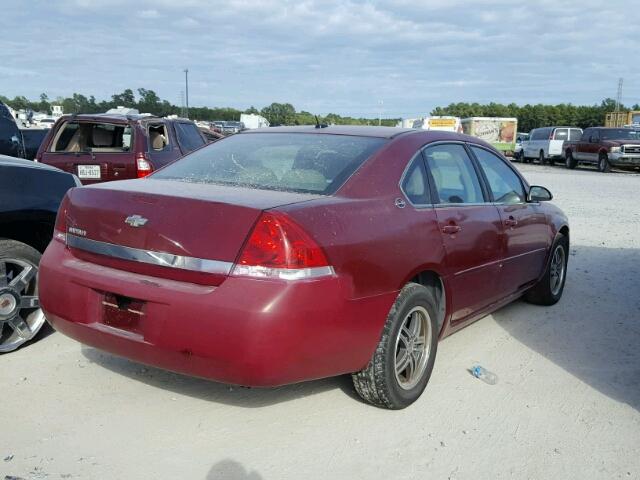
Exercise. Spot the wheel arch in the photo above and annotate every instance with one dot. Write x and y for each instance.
(36, 233)
(433, 281)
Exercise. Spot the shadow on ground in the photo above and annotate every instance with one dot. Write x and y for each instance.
(231, 470)
(216, 392)
(594, 331)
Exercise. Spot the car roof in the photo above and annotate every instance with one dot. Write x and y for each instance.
(354, 130)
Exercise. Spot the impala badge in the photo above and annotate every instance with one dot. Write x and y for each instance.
(135, 221)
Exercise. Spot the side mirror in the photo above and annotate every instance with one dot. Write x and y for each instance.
(539, 194)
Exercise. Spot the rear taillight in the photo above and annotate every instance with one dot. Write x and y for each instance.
(279, 248)
(60, 228)
(143, 165)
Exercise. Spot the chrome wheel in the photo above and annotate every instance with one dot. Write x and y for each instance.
(20, 315)
(557, 269)
(412, 347)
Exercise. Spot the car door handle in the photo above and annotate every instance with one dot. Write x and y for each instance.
(510, 222)
(451, 229)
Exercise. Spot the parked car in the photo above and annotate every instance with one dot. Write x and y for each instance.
(29, 198)
(605, 147)
(546, 144)
(32, 138)
(232, 127)
(521, 139)
(11, 142)
(307, 252)
(105, 147)
(211, 135)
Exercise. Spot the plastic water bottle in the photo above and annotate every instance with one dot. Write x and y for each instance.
(485, 375)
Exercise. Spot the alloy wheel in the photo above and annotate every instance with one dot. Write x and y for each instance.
(557, 269)
(20, 314)
(412, 348)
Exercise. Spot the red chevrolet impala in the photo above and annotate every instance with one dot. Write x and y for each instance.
(289, 254)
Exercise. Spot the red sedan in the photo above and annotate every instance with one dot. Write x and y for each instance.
(289, 254)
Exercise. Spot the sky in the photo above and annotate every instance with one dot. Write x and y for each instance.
(399, 58)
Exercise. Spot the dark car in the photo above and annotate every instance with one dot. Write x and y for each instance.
(30, 195)
(105, 147)
(33, 138)
(306, 253)
(11, 142)
(605, 147)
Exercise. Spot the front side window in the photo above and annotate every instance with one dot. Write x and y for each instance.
(454, 177)
(415, 184)
(296, 162)
(504, 184)
(620, 134)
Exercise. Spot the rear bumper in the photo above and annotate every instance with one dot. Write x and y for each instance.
(245, 331)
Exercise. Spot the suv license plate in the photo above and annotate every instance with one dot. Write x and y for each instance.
(89, 171)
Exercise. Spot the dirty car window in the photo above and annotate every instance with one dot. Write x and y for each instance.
(299, 162)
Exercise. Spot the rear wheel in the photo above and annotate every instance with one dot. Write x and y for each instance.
(603, 163)
(550, 287)
(401, 365)
(541, 158)
(20, 315)
(570, 162)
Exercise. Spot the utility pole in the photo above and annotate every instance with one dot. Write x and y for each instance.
(380, 102)
(182, 103)
(186, 89)
(619, 97)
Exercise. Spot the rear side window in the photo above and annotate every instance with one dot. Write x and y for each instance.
(504, 184)
(92, 137)
(188, 136)
(414, 184)
(296, 162)
(158, 138)
(561, 134)
(575, 134)
(454, 177)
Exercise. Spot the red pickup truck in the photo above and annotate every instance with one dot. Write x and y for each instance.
(605, 147)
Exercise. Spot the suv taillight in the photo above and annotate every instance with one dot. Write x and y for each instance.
(280, 248)
(143, 165)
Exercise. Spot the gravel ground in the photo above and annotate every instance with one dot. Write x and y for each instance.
(566, 405)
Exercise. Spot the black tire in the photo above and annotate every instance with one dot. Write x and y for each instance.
(378, 382)
(544, 293)
(603, 163)
(541, 158)
(11, 250)
(570, 162)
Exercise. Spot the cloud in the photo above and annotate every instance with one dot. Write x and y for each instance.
(328, 56)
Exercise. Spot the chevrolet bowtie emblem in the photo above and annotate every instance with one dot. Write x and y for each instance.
(135, 221)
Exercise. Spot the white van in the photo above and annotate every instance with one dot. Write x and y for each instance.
(546, 143)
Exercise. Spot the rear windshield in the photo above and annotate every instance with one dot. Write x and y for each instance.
(297, 162)
(92, 137)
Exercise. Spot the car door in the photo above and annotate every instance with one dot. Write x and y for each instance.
(470, 226)
(525, 231)
(594, 145)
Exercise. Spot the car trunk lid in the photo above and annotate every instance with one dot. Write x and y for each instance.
(171, 229)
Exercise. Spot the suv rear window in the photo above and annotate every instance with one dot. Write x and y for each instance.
(296, 162)
(92, 137)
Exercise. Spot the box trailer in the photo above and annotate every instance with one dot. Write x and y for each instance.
(498, 131)
(622, 119)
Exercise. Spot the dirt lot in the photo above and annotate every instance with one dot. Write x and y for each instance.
(567, 404)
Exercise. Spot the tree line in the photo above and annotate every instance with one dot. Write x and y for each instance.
(147, 101)
(534, 116)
